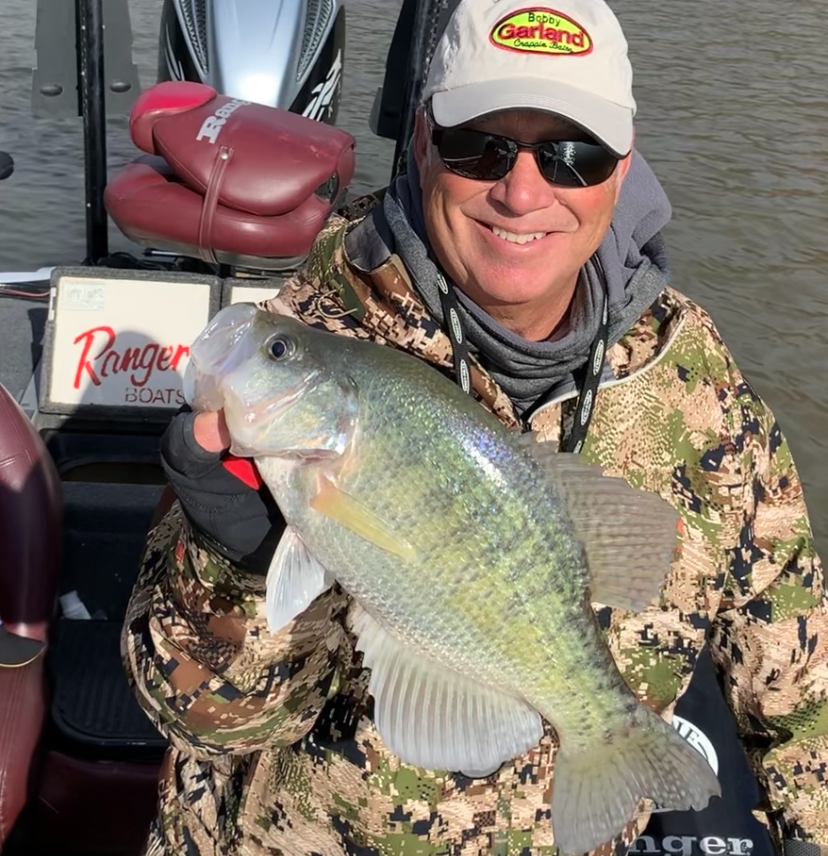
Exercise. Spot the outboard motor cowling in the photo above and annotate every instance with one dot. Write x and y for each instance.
(281, 53)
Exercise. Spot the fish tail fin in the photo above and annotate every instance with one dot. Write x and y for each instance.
(595, 792)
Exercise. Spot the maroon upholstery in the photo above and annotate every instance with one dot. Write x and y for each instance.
(31, 523)
(147, 187)
(86, 807)
(232, 180)
(22, 715)
(31, 513)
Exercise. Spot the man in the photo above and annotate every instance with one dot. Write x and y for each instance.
(520, 254)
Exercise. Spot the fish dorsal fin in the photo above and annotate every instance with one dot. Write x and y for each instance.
(433, 717)
(294, 580)
(628, 534)
(339, 506)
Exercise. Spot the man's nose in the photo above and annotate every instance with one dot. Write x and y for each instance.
(524, 189)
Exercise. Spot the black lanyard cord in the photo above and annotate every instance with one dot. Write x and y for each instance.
(591, 373)
(457, 335)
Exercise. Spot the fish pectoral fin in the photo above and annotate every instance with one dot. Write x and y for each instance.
(294, 580)
(433, 717)
(628, 534)
(339, 506)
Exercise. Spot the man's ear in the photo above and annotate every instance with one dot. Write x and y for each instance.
(421, 138)
(623, 168)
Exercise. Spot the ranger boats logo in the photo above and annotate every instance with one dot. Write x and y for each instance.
(543, 31)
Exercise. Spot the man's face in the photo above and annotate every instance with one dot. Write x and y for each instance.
(473, 225)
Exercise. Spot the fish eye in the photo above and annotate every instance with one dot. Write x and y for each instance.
(282, 347)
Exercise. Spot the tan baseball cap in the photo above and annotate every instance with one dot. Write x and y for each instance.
(568, 58)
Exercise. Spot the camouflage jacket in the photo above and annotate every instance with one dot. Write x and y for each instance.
(272, 745)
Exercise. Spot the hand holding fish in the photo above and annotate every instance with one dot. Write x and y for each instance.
(210, 431)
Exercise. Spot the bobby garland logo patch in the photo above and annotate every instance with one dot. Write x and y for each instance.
(539, 30)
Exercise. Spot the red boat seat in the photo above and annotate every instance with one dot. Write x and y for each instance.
(31, 523)
(228, 181)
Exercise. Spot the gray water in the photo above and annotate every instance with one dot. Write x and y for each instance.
(733, 113)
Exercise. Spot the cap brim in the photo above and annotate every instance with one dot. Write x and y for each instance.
(608, 122)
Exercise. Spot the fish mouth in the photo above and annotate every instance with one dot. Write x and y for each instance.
(248, 425)
(253, 417)
(271, 408)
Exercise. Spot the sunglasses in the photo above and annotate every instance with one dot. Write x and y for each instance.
(488, 157)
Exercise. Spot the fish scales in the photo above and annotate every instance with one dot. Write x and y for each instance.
(493, 600)
(471, 555)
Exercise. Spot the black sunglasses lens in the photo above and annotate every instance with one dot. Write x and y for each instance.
(474, 154)
(488, 157)
(576, 164)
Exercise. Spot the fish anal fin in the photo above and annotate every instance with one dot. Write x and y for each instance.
(433, 717)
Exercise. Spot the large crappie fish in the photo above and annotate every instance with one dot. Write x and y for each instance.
(472, 554)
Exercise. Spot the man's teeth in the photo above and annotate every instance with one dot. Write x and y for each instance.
(515, 238)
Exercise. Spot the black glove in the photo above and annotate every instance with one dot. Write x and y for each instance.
(239, 520)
